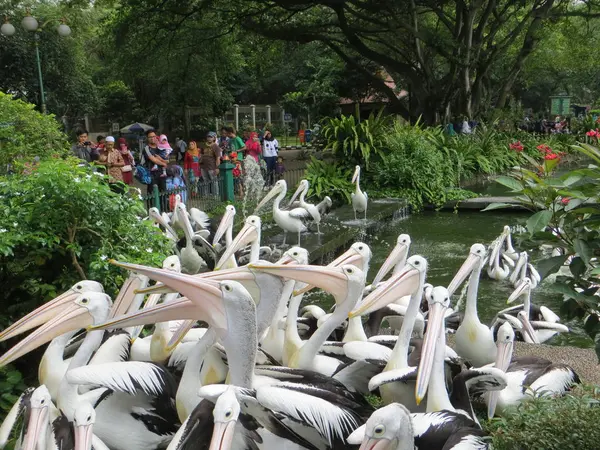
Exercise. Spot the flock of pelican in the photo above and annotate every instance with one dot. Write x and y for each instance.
(233, 362)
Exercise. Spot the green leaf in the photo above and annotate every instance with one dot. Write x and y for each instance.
(550, 265)
(577, 267)
(583, 249)
(538, 221)
(493, 206)
(509, 182)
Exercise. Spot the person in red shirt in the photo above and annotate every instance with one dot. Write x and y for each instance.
(253, 147)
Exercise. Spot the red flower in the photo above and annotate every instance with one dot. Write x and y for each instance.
(550, 156)
(592, 133)
(565, 200)
(544, 148)
(517, 146)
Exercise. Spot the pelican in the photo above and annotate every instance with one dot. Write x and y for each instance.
(393, 427)
(359, 198)
(191, 262)
(527, 376)
(226, 229)
(474, 341)
(520, 272)
(289, 221)
(83, 424)
(249, 234)
(510, 252)
(157, 218)
(324, 205)
(312, 209)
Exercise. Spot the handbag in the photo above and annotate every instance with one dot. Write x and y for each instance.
(143, 175)
(126, 168)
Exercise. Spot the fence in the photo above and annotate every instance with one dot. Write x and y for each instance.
(293, 177)
(204, 195)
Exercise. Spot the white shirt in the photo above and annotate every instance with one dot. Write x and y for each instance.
(270, 148)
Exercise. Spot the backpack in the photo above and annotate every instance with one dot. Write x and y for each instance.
(143, 175)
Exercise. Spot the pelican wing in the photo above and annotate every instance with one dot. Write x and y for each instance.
(115, 347)
(198, 427)
(548, 314)
(128, 377)
(12, 416)
(181, 353)
(200, 217)
(300, 213)
(483, 379)
(393, 376)
(310, 406)
(356, 375)
(358, 350)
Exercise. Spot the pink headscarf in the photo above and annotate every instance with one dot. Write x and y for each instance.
(163, 145)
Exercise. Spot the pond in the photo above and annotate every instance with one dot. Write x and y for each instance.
(444, 238)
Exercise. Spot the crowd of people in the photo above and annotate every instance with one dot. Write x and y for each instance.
(200, 160)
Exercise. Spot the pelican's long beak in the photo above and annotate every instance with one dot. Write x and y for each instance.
(66, 318)
(132, 287)
(503, 358)
(243, 238)
(355, 175)
(38, 423)
(180, 333)
(222, 437)
(152, 300)
(405, 282)
(393, 258)
(158, 218)
(520, 263)
(226, 222)
(435, 326)
(41, 315)
(272, 193)
(83, 436)
(519, 291)
(285, 259)
(330, 279)
(462, 274)
(379, 444)
(299, 189)
(158, 288)
(350, 256)
(527, 328)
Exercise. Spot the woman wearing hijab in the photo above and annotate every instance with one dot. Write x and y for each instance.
(253, 146)
(191, 163)
(113, 161)
(127, 169)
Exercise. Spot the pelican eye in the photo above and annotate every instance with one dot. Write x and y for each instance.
(417, 263)
(42, 401)
(360, 248)
(84, 300)
(379, 430)
(228, 414)
(172, 264)
(79, 287)
(89, 418)
(295, 254)
(349, 270)
(228, 288)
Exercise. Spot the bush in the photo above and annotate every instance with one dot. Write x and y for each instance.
(565, 423)
(26, 133)
(328, 178)
(62, 224)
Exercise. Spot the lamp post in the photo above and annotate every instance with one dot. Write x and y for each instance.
(30, 24)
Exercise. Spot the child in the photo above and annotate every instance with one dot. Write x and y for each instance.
(279, 168)
(237, 172)
(175, 181)
(164, 151)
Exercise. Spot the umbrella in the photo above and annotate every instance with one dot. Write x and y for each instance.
(137, 128)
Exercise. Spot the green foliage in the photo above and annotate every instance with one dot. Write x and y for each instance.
(26, 133)
(62, 224)
(566, 215)
(545, 423)
(118, 103)
(328, 178)
(357, 141)
(11, 386)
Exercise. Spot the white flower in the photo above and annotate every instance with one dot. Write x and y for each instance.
(76, 180)
(98, 174)
(3, 230)
(15, 224)
(103, 257)
(149, 250)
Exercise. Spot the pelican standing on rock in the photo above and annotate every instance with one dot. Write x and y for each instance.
(312, 209)
(359, 198)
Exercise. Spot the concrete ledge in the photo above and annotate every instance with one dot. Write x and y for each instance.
(479, 203)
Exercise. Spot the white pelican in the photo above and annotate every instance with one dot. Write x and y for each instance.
(498, 264)
(125, 422)
(359, 198)
(324, 205)
(395, 260)
(226, 229)
(393, 427)
(312, 209)
(527, 376)
(396, 381)
(157, 218)
(292, 221)
(474, 341)
(249, 234)
(191, 262)
(83, 426)
(510, 252)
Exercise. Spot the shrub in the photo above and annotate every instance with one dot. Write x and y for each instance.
(328, 178)
(26, 133)
(62, 224)
(543, 423)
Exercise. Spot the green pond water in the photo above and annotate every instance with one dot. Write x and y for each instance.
(444, 239)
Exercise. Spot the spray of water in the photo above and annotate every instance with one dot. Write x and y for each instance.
(253, 184)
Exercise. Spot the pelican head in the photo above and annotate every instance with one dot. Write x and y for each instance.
(527, 328)
(278, 188)
(295, 255)
(405, 282)
(172, 263)
(473, 262)
(129, 296)
(388, 428)
(302, 187)
(83, 424)
(523, 288)
(225, 414)
(226, 222)
(249, 233)
(439, 300)
(504, 342)
(37, 425)
(48, 310)
(356, 175)
(396, 258)
(86, 310)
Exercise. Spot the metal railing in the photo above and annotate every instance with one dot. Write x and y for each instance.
(204, 195)
(293, 177)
